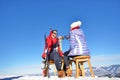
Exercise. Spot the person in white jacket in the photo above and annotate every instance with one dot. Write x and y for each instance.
(78, 45)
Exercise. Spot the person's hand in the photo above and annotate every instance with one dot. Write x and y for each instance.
(45, 50)
(44, 58)
(60, 37)
(62, 56)
(67, 37)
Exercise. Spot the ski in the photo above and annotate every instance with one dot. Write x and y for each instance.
(47, 57)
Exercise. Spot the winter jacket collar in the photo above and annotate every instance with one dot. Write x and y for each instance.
(77, 27)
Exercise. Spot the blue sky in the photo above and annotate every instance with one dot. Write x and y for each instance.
(23, 24)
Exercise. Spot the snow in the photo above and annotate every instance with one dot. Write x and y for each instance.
(39, 77)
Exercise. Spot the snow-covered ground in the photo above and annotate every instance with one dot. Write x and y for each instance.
(104, 73)
(39, 77)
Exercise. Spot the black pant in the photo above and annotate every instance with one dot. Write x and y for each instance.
(66, 60)
(56, 58)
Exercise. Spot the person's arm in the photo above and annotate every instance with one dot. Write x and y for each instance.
(48, 46)
(72, 40)
(49, 42)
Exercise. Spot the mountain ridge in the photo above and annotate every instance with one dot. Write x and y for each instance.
(107, 71)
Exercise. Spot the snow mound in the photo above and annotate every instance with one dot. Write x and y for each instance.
(38, 77)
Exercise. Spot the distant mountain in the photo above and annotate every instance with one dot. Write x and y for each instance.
(109, 71)
(103, 71)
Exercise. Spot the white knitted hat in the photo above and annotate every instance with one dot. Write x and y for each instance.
(76, 24)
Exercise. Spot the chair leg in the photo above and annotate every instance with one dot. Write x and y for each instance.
(91, 71)
(77, 72)
(82, 69)
(70, 64)
(62, 65)
(54, 70)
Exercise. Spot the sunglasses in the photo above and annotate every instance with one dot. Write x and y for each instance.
(54, 33)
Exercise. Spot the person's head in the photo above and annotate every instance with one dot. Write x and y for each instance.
(75, 25)
(54, 33)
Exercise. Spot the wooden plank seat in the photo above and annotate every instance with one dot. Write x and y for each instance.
(80, 60)
(51, 62)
